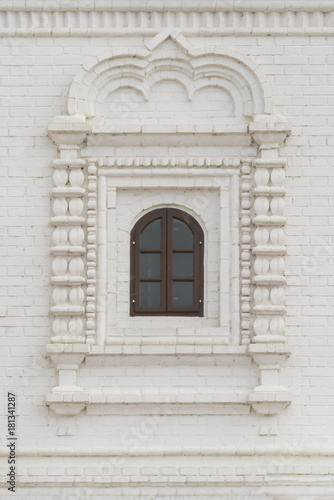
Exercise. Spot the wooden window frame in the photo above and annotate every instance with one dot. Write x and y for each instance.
(167, 308)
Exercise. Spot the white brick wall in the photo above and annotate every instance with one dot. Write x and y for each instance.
(35, 76)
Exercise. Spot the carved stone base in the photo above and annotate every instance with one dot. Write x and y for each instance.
(269, 398)
(64, 402)
(269, 354)
(66, 409)
(67, 398)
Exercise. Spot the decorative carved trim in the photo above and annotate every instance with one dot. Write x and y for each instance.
(265, 236)
(91, 252)
(171, 181)
(205, 174)
(104, 18)
(170, 162)
(269, 266)
(195, 68)
(245, 252)
(69, 277)
(265, 6)
(67, 366)
(268, 349)
(68, 250)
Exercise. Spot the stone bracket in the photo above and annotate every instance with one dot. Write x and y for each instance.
(269, 398)
(67, 358)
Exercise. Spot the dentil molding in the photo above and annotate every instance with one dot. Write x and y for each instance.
(61, 18)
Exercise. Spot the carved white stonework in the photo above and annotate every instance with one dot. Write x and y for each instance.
(245, 256)
(269, 398)
(68, 248)
(91, 253)
(103, 152)
(169, 55)
(119, 17)
(69, 253)
(269, 237)
(269, 349)
(68, 239)
(67, 367)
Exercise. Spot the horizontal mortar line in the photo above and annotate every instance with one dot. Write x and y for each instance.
(111, 31)
(172, 340)
(269, 450)
(184, 481)
(155, 396)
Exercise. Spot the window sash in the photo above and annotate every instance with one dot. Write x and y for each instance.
(166, 251)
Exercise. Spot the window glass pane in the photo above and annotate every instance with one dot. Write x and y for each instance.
(183, 265)
(182, 235)
(150, 265)
(151, 236)
(150, 295)
(182, 293)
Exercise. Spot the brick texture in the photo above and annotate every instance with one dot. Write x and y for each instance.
(35, 76)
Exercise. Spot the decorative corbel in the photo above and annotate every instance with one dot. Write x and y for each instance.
(68, 131)
(268, 347)
(67, 398)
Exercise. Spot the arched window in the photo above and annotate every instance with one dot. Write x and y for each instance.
(167, 264)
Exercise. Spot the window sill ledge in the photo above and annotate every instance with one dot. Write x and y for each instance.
(132, 346)
(160, 400)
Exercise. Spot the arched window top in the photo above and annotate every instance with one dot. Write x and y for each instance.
(167, 264)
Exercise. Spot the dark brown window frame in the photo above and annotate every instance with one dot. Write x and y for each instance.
(167, 308)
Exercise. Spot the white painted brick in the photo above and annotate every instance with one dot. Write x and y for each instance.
(35, 84)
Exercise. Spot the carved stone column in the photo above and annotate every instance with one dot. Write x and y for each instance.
(68, 250)
(268, 348)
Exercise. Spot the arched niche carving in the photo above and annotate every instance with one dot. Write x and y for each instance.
(170, 59)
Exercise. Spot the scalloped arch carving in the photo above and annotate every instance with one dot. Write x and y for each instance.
(166, 59)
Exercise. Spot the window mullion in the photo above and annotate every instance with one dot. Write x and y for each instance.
(169, 260)
(164, 262)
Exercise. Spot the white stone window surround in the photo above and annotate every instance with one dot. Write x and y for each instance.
(78, 209)
(221, 230)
